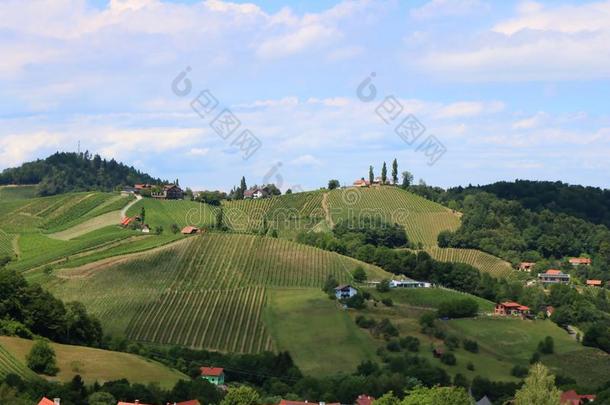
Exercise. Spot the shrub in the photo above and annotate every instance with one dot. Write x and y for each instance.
(470, 366)
(411, 343)
(359, 274)
(393, 346)
(546, 346)
(519, 371)
(365, 322)
(448, 359)
(387, 302)
(386, 328)
(452, 342)
(471, 345)
(383, 286)
(356, 302)
(174, 228)
(535, 358)
(427, 320)
(458, 308)
(41, 358)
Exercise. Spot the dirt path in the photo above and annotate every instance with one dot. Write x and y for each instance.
(126, 208)
(87, 269)
(326, 208)
(15, 243)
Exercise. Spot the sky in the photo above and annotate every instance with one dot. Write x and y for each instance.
(296, 93)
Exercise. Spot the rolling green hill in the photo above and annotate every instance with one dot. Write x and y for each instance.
(477, 259)
(91, 364)
(206, 291)
(422, 219)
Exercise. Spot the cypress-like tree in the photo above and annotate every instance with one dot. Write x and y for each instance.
(395, 172)
(384, 173)
(371, 175)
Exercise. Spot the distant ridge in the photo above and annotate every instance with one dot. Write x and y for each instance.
(64, 172)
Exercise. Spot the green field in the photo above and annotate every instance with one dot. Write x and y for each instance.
(91, 364)
(180, 212)
(429, 297)
(477, 259)
(8, 193)
(11, 365)
(423, 219)
(6, 243)
(205, 291)
(321, 338)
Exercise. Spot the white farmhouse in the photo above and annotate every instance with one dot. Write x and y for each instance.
(409, 284)
(345, 291)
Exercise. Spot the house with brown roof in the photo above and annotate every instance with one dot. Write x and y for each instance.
(364, 400)
(511, 308)
(168, 192)
(215, 375)
(594, 283)
(553, 276)
(572, 398)
(189, 230)
(361, 183)
(580, 261)
(255, 193)
(526, 266)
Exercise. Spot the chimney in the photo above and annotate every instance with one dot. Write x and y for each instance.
(56, 401)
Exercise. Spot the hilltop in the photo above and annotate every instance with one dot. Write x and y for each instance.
(64, 172)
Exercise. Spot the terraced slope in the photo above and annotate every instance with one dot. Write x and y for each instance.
(9, 193)
(423, 219)
(207, 291)
(477, 259)
(6, 244)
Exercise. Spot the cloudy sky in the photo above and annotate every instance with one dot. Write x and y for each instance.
(499, 90)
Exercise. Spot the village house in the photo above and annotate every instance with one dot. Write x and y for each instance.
(128, 221)
(145, 229)
(572, 398)
(168, 192)
(594, 283)
(526, 266)
(553, 276)
(580, 261)
(189, 230)
(364, 400)
(128, 190)
(549, 310)
(511, 308)
(47, 401)
(361, 183)
(255, 193)
(409, 284)
(345, 291)
(215, 375)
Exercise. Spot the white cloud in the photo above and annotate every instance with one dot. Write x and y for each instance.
(444, 8)
(469, 109)
(199, 151)
(306, 160)
(17, 148)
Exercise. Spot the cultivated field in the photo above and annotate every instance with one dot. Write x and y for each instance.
(205, 291)
(429, 297)
(180, 212)
(91, 364)
(8, 193)
(477, 259)
(423, 219)
(10, 365)
(6, 244)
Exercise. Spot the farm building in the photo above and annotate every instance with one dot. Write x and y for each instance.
(526, 266)
(549, 310)
(580, 261)
(145, 229)
(141, 187)
(484, 401)
(572, 398)
(409, 284)
(345, 291)
(189, 230)
(364, 400)
(361, 183)
(128, 190)
(255, 193)
(169, 192)
(553, 276)
(594, 283)
(215, 375)
(511, 308)
(47, 401)
(437, 352)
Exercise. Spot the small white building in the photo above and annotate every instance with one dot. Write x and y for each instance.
(409, 284)
(345, 291)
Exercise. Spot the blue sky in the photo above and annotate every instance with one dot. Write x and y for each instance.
(507, 89)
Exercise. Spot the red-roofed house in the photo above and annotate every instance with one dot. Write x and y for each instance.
(526, 266)
(361, 183)
(580, 261)
(553, 276)
(47, 401)
(511, 308)
(594, 283)
(128, 220)
(215, 375)
(189, 230)
(364, 400)
(572, 398)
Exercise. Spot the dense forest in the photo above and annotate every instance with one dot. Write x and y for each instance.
(64, 172)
